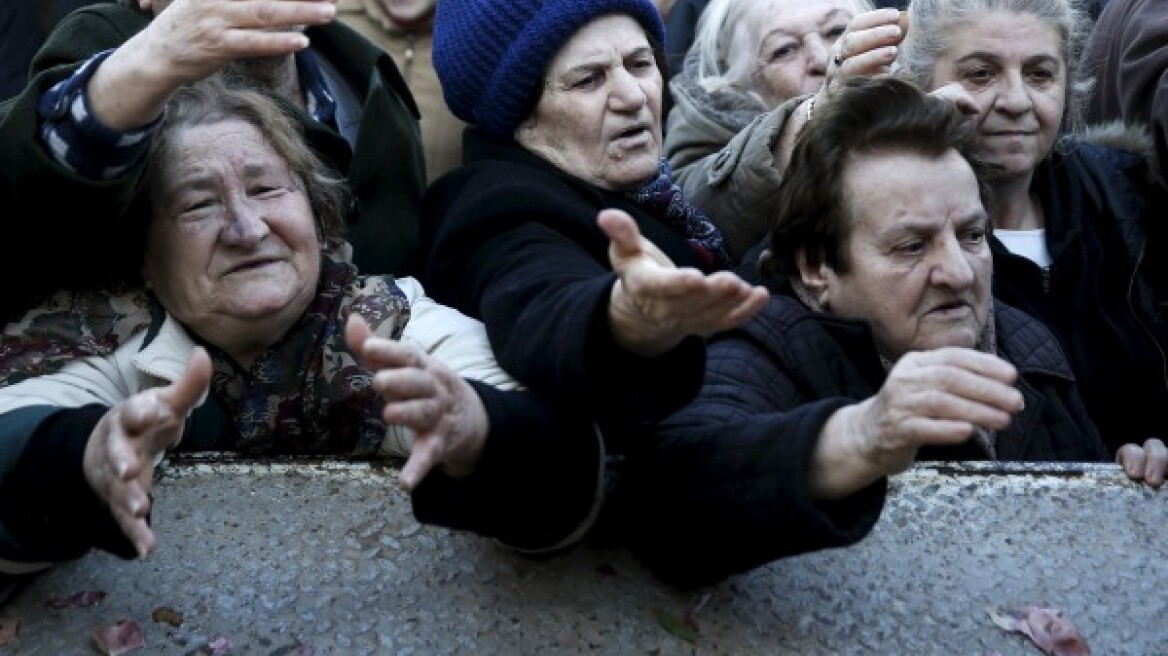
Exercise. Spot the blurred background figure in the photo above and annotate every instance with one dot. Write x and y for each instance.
(405, 29)
(1128, 57)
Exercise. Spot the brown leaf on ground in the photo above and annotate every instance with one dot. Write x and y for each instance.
(121, 637)
(168, 615)
(1046, 627)
(8, 628)
(81, 599)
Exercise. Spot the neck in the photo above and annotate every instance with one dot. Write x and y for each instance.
(1015, 208)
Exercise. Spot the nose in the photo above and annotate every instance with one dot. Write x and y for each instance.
(245, 227)
(1013, 95)
(818, 52)
(627, 93)
(951, 267)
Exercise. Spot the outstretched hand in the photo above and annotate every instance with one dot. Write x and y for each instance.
(937, 397)
(654, 305)
(449, 420)
(122, 449)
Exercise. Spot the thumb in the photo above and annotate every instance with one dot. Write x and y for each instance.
(622, 231)
(357, 332)
(186, 392)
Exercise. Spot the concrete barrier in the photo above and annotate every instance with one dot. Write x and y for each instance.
(325, 558)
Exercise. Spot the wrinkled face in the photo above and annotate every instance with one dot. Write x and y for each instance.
(794, 44)
(1012, 66)
(408, 11)
(599, 117)
(920, 265)
(232, 251)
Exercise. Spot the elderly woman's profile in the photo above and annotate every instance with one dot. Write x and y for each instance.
(255, 337)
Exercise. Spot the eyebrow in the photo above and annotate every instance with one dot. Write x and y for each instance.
(991, 56)
(929, 225)
(827, 18)
(600, 58)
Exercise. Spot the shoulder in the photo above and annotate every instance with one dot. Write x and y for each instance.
(1027, 344)
(1124, 148)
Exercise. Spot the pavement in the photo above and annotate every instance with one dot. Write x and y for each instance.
(281, 559)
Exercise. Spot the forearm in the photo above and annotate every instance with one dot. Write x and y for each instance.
(47, 508)
(839, 467)
(536, 485)
(131, 87)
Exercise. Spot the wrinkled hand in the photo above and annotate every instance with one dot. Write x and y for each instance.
(190, 40)
(867, 47)
(449, 420)
(934, 397)
(654, 305)
(195, 38)
(1147, 463)
(120, 455)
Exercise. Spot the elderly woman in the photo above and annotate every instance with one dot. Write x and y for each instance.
(750, 66)
(563, 100)
(293, 352)
(881, 345)
(72, 143)
(1074, 219)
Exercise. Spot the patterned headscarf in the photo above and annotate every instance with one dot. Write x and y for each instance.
(663, 198)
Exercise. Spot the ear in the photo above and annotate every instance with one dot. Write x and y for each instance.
(817, 276)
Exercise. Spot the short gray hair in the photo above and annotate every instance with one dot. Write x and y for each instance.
(725, 44)
(930, 32)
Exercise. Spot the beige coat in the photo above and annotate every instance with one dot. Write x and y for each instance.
(456, 340)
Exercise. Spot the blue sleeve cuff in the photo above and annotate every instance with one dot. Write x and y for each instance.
(77, 140)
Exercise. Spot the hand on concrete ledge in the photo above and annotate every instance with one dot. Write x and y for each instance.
(1147, 463)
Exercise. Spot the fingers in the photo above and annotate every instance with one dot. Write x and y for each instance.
(424, 456)
(260, 15)
(622, 232)
(955, 93)
(869, 45)
(357, 332)
(183, 395)
(1155, 462)
(1147, 463)
(130, 506)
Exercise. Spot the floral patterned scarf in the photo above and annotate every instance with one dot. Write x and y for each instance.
(662, 197)
(307, 394)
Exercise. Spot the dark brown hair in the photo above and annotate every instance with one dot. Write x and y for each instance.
(865, 116)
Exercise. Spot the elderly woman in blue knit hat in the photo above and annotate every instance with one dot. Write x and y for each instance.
(562, 230)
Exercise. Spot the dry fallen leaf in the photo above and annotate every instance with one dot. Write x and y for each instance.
(676, 626)
(121, 637)
(87, 598)
(168, 615)
(8, 629)
(1046, 627)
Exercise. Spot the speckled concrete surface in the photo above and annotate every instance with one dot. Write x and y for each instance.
(326, 559)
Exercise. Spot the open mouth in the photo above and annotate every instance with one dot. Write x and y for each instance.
(631, 133)
(951, 309)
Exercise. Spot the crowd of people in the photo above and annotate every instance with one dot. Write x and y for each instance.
(708, 314)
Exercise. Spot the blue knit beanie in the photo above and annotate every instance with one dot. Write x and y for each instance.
(491, 55)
